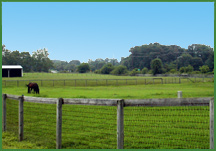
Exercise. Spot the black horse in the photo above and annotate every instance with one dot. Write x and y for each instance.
(33, 86)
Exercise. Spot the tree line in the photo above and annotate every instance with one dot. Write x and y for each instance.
(37, 62)
(152, 59)
(172, 57)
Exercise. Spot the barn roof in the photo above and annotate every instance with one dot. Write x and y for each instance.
(12, 67)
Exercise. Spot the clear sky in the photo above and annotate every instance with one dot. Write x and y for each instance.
(82, 31)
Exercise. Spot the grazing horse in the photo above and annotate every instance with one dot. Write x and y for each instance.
(33, 86)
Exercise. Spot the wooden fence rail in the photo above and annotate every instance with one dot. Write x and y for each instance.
(120, 103)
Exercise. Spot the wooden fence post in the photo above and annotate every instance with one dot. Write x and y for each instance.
(179, 94)
(75, 83)
(211, 107)
(59, 123)
(4, 112)
(21, 124)
(120, 124)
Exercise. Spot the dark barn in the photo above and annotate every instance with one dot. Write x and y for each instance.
(12, 71)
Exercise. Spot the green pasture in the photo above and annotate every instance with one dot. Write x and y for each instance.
(90, 127)
(189, 90)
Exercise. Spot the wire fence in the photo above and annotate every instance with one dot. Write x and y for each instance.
(40, 123)
(167, 127)
(94, 123)
(103, 82)
(89, 127)
(12, 116)
(107, 75)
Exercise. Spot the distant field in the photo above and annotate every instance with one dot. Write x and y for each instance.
(81, 80)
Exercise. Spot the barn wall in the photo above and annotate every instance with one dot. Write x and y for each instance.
(4, 72)
(12, 73)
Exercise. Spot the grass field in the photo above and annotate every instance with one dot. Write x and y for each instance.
(121, 92)
(85, 80)
(89, 127)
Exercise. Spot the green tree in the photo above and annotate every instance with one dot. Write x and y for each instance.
(120, 70)
(189, 69)
(210, 61)
(182, 70)
(204, 69)
(196, 62)
(41, 61)
(199, 50)
(106, 69)
(134, 72)
(144, 70)
(172, 71)
(83, 68)
(26, 61)
(156, 66)
(184, 60)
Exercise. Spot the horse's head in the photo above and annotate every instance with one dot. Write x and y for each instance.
(29, 85)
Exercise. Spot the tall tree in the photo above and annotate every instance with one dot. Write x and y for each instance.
(198, 50)
(210, 61)
(42, 63)
(26, 61)
(83, 68)
(156, 66)
(184, 60)
(196, 62)
(106, 69)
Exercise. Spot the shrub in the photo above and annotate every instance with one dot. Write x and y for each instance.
(134, 72)
(83, 68)
(144, 70)
(106, 69)
(119, 70)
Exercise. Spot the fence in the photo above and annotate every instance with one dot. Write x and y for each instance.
(102, 82)
(91, 123)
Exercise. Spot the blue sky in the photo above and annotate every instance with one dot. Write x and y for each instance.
(82, 31)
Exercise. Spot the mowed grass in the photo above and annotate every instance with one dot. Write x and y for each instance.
(94, 127)
(189, 90)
